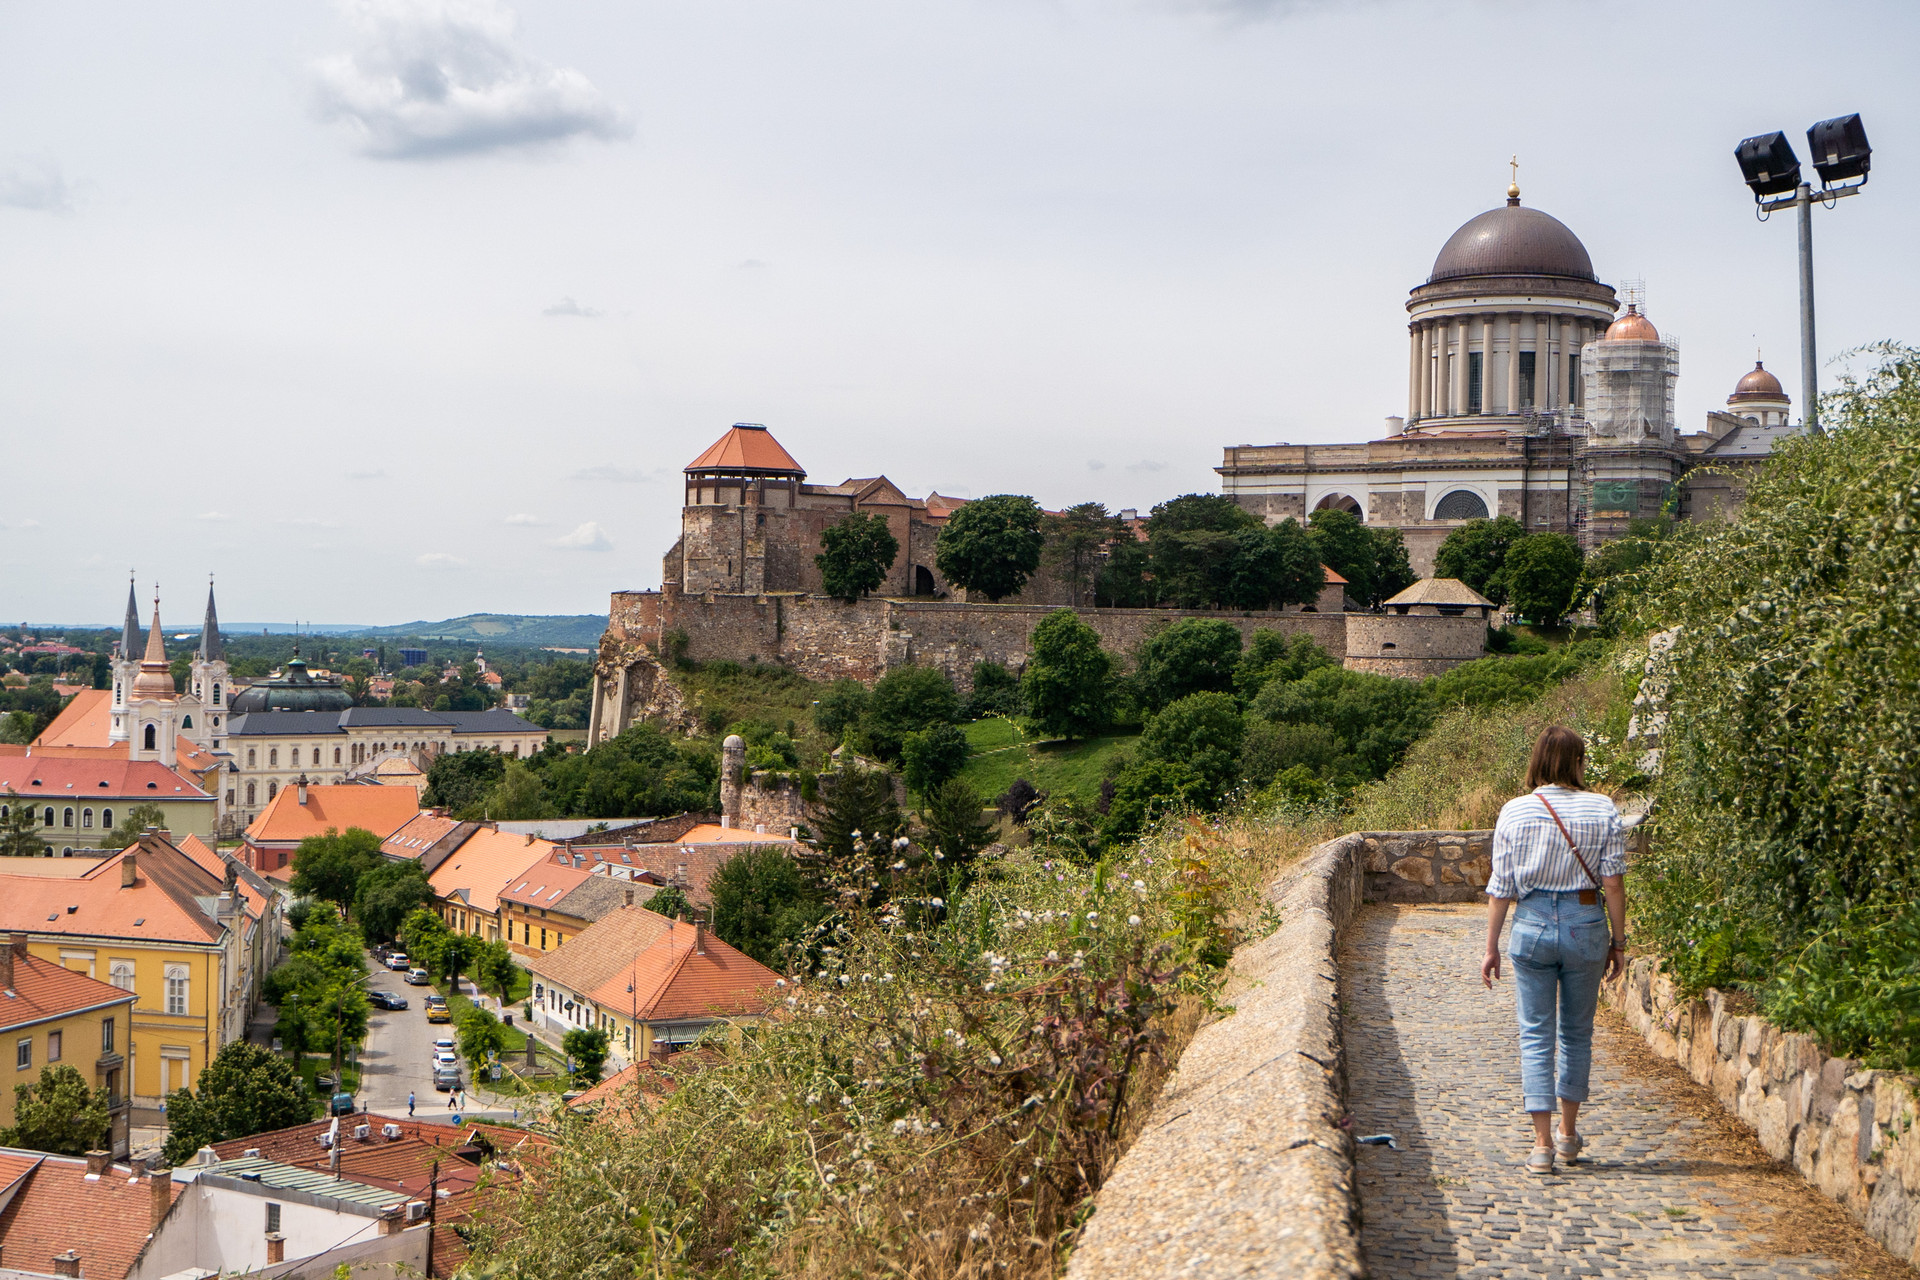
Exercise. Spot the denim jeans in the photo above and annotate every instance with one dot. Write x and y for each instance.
(1558, 946)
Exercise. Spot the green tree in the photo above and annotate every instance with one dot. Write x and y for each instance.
(58, 1114)
(1143, 794)
(330, 867)
(422, 935)
(1194, 544)
(1075, 539)
(1392, 571)
(134, 825)
(1347, 547)
(955, 830)
(841, 707)
(1273, 655)
(1193, 655)
(904, 701)
(245, 1090)
(1201, 732)
(460, 780)
(933, 755)
(1124, 581)
(17, 727)
(856, 824)
(763, 905)
(1541, 575)
(991, 545)
(996, 692)
(388, 893)
(495, 969)
(1068, 683)
(586, 1050)
(457, 954)
(521, 796)
(645, 771)
(19, 832)
(1269, 750)
(481, 1036)
(1375, 717)
(855, 555)
(1275, 567)
(1063, 827)
(1476, 552)
(671, 901)
(338, 1014)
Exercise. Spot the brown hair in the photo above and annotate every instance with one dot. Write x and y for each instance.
(1559, 758)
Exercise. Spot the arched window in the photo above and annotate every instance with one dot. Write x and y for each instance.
(47, 817)
(336, 755)
(251, 761)
(5, 811)
(273, 757)
(106, 818)
(273, 789)
(66, 817)
(1340, 502)
(152, 737)
(86, 818)
(1461, 504)
(116, 691)
(186, 722)
(216, 693)
(250, 799)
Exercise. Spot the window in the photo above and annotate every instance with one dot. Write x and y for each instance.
(250, 795)
(336, 755)
(273, 758)
(23, 1055)
(53, 1046)
(273, 1216)
(116, 691)
(273, 789)
(216, 693)
(176, 988)
(106, 817)
(186, 722)
(1526, 377)
(251, 759)
(229, 790)
(48, 816)
(106, 1035)
(86, 817)
(1476, 361)
(120, 974)
(152, 737)
(1461, 504)
(66, 818)
(1573, 379)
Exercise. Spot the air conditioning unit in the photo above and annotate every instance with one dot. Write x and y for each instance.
(251, 1153)
(416, 1210)
(326, 1140)
(390, 1131)
(361, 1132)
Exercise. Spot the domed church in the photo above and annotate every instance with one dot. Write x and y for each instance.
(1530, 394)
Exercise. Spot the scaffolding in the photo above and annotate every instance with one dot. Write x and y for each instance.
(1629, 389)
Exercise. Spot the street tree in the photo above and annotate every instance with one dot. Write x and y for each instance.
(59, 1113)
(330, 866)
(991, 545)
(19, 833)
(245, 1090)
(482, 1037)
(855, 555)
(388, 893)
(495, 970)
(586, 1050)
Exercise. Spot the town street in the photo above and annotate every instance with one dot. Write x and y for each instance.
(398, 1057)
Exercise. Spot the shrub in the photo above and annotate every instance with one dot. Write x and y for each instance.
(1018, 800)
(842, 705)
(1201, 732)
(1376, 717)
(1270, 749)
(931, 756)
(904, 701)
(1273, 655)
(1068, 683)
(996, 692)
(1194, 655)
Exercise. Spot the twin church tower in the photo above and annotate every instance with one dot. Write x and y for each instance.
(149, 713)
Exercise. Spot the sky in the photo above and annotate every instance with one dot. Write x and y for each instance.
(405, 309)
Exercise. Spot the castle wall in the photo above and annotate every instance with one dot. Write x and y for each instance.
(1411, 646)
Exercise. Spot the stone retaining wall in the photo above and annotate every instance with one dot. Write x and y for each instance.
(1426, 866)
(1852, 1133)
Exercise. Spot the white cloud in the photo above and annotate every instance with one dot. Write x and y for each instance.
(308, 522)
(588, 537)
(213, 515)
(366, 475)
(1147, 465)
(439, 560)
(434, 78)
(568, 307)
(37, 185)
(26, 523)
(615, 475)
(1095, 464)
(525, 519)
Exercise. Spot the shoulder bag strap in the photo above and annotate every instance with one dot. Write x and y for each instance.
(1570, 844)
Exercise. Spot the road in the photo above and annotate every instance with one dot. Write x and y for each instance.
(398, 1059)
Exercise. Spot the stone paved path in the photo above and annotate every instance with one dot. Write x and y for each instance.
(1671, 1187)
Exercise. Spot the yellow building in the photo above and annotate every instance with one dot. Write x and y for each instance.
(50, 1016)
(154, 922)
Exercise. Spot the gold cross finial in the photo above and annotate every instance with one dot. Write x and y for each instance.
(1513, 188)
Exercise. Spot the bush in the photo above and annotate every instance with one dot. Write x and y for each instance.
(932, 756)
(842, 705)
(1375, 717)
(996, 692)
(1144, 794)
(1273, 655)
(904, 701)
(1194, 655)
(1491, 682)
(1201, 732)
(1018, 800)
(1270, 749)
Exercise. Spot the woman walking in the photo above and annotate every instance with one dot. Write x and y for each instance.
(1557, 852)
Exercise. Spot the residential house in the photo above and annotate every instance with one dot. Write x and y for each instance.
(688, 861)
(50, 1016)
(152, 921)
(554, 901)
(77, 801)
(467, 882)
(77, 1215)
(264, 945)
(429, 836)
(653, 985)
(307, 810)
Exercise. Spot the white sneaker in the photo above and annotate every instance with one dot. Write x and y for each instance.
(1566, 1148)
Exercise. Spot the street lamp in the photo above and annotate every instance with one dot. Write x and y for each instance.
(1767, 163)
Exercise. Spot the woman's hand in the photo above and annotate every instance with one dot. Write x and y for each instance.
(1616, 961)
(1490, 967)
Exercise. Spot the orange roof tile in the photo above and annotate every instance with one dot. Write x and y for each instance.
(543, 884)
(417, 835)
(479, 869)
(381, 810)
(747, 447)
(253, 887)
(162, 903)
(42, 990)
(93, 777)
(105, 1219)
(1333, 579)
(590, 958)
(687, 973)
(84, 722)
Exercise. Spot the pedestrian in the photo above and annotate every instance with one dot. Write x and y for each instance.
(453, 1095)
(1557, 852)
(409, 1104)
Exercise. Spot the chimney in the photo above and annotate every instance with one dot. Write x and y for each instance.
(159, 1195)
(529, 837)
(6, 970)
(276, 1248)
(129, 870)
(98, 1162)
(393, 1220)
(699, 938)
(139, 1166)
(66, 1264)
(629, 897)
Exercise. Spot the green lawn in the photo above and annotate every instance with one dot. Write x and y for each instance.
(1002, 753)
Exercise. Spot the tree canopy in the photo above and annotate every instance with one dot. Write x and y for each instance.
(855, 555)
(330, 866)
(1541, 576)
(58, 1113)
(991, 545)
(1194, 655)
(245, 1090)
(1476, 552)
(1068, 683)
(762, 904)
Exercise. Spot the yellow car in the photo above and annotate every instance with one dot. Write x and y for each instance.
(437, 1009)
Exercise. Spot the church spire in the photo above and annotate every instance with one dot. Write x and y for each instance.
(156, 643)
(210, 648)
(156, 676)
(130, 630)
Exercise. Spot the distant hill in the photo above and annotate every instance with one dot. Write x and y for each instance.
(567, 630)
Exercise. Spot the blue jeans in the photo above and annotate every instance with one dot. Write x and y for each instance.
(1558, 946)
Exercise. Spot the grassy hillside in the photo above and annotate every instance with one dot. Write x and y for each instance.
(566, 630)
(1002, 753)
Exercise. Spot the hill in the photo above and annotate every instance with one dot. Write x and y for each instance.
(567, 630)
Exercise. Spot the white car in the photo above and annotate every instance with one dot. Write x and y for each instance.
(443, 1046)
(398, 962)
(445, 1058)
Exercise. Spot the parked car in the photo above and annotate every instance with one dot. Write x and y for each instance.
(342, 1105)
(445, 1058)
(446, 1079)
(416, 978)
(439, 1013)
(443, 1045)
(398, 962)
(386, 999)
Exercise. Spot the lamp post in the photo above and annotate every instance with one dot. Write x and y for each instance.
(1770, 169)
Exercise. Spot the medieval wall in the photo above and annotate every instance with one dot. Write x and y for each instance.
(1410, 646)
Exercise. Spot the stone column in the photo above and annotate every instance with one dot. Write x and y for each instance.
(1413, 372)
(1457, 384)
(1513, 362)
(1426, 368)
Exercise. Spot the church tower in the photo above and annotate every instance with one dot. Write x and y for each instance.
(210, 680)
(126, 666)
(154, 712)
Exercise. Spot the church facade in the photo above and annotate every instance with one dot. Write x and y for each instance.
(1530, 395)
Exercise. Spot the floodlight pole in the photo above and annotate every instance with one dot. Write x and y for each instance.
(1809, 364)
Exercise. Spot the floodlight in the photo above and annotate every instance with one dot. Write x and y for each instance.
(1768, 164)
(1840, 149)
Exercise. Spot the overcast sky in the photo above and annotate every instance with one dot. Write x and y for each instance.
(383, 311)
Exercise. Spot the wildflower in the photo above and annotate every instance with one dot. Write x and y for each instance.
(994, 1059)
(828, 1179)
(1093, 915)
(899, 1127)
(1053, 955)
(812, 1098)
(900, 842)
(1133, 921)
(938, 902)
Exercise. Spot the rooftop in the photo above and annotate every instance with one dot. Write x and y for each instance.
(747, 447)
(171, 898)
(60, 1206)
(485, 864)
(42, 991)
(381, 810)
(42, 777)
(1441, 591)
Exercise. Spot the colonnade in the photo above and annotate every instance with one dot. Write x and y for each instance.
(1437, 361)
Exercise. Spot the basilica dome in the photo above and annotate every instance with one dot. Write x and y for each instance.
(1758, 384)
(297, 690)
(1631, 327)
(1513, 240)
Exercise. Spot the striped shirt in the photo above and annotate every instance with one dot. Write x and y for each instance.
(1530, 853)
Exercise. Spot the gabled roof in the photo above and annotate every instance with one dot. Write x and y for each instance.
(105, 1219)
(57, 778)
(588, 959)
(687, 974)
(419, 834)
(85, 722)
(748, 448)
(172, 899)
(1442, 591)
(1333, 579)
(544, 884)
(484, 865)
(254, 887)
(381, 810)
(43, 991)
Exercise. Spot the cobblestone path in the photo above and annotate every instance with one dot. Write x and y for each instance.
(1671, 1187)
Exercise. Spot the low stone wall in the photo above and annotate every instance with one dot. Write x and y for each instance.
(1426, 866)
(1852, 1133)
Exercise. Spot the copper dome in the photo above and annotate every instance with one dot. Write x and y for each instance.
(1631, 327)
(1513, 240)
(1757, 385)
